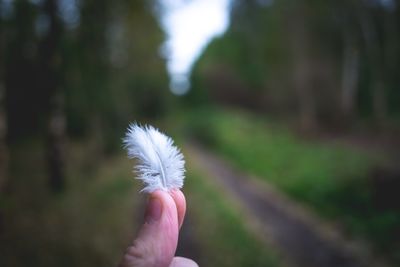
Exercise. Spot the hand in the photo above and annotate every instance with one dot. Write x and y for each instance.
(157, 240)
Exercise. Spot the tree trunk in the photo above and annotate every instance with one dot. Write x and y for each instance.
(302, 65)
(379, 102)
(51, 79)
(375, 55)
(3, 118)
(56, 143)
(3, 141)
(349, 78)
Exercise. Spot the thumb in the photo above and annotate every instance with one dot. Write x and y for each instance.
(157, 240)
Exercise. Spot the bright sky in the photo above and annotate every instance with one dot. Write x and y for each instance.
(190, 26)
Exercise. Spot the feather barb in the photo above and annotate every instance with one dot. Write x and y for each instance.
(160, 163)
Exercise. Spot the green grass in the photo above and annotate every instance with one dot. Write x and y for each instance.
(94, 220)
(223, 238)
(333, 180)
(90, 224)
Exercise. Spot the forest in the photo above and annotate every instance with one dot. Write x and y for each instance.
(290, 131)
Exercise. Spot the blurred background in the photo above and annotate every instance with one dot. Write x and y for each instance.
(287, 112)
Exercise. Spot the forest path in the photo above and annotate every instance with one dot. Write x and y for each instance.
(300, 237)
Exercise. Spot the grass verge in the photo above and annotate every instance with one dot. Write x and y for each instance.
(222, 236)
(334, 180)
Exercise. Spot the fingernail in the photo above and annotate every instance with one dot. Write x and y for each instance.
(153, 211)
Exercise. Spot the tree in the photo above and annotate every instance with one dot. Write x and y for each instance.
(116, 74)
(3, 117)
(300, 40)
(328, 63)
(350, 75)
(50, 62)
(374, 53)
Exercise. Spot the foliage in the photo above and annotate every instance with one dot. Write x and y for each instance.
(110, 69)
(332, 179)
(89, 225)
(323, 62)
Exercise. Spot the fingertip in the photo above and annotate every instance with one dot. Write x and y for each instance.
(180, 202)
(157, 239)
(166, 199)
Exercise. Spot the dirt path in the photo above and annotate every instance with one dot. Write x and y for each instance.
(300, 237)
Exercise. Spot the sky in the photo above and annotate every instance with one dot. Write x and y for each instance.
(190, 25)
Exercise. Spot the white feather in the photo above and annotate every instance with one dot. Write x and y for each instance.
(160, 163)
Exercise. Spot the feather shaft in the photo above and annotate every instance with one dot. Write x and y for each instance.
(162, 172)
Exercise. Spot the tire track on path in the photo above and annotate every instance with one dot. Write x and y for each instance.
(301, 238)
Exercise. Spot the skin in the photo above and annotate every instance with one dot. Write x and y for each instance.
(156, 242)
